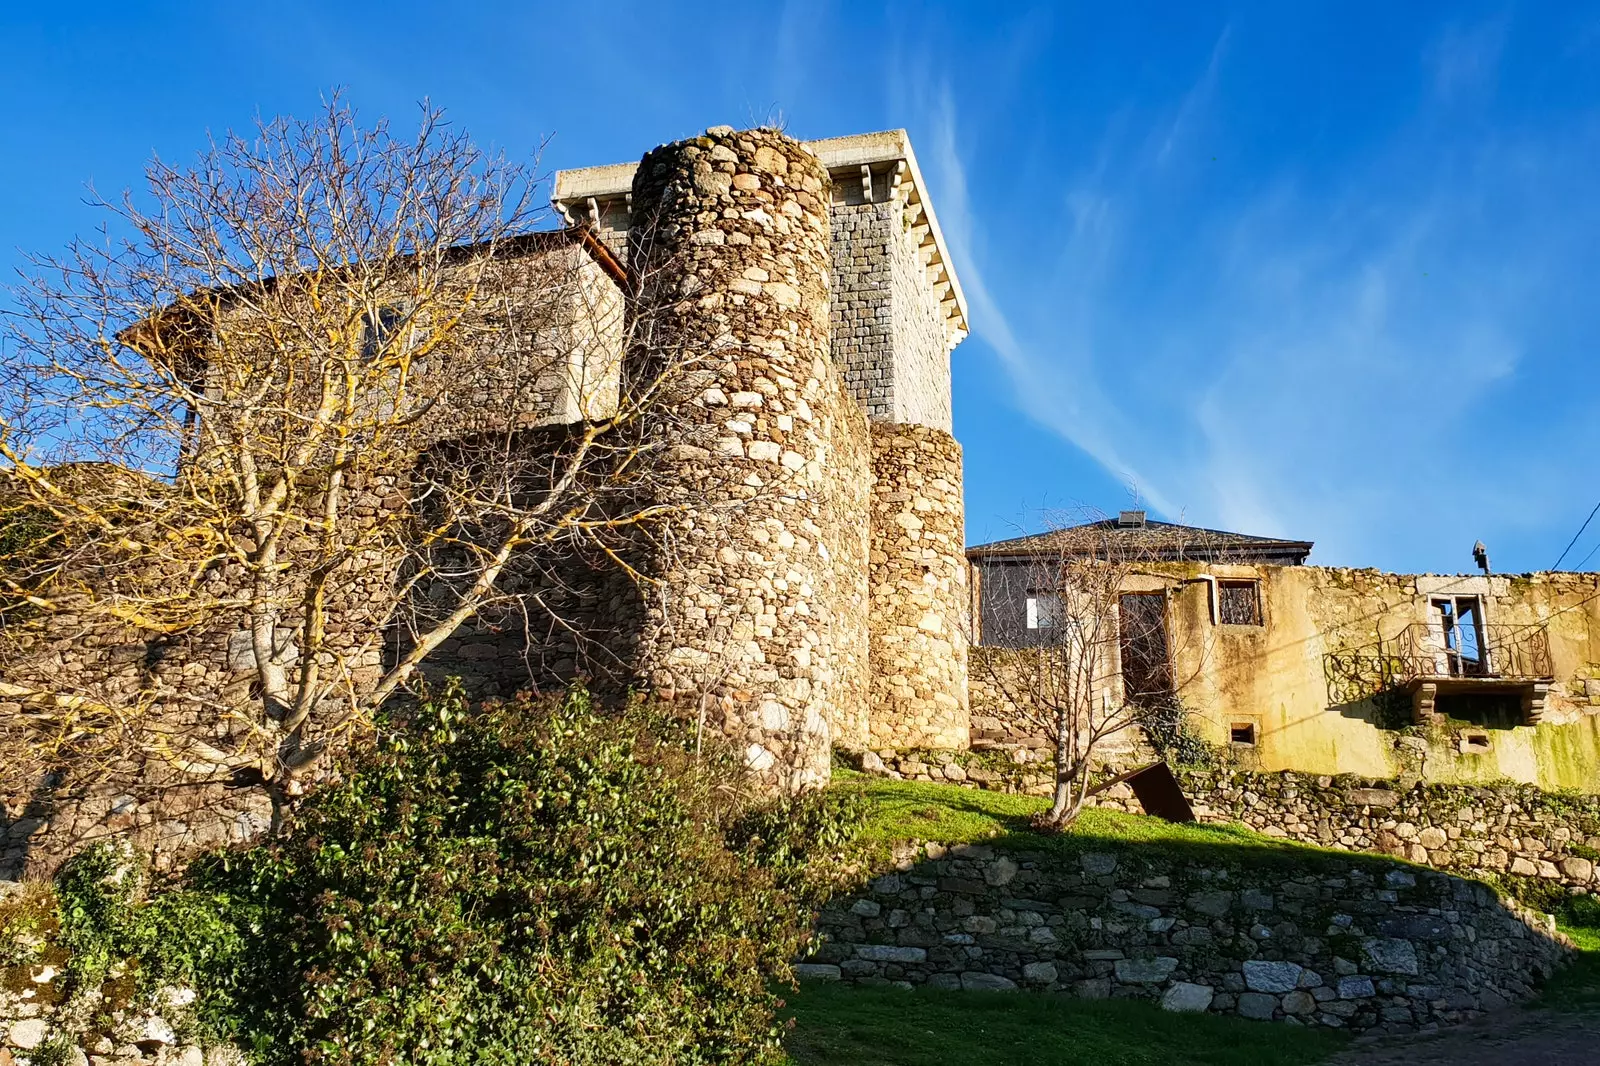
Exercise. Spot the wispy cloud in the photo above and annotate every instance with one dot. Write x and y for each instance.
(1328, 355)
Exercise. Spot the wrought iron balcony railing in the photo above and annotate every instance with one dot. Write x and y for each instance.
(1468, 649)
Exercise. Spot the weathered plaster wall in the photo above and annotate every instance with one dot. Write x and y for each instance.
(1277, 676)
(1343, 945)
(918, 590)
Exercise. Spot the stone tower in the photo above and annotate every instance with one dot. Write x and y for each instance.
(818, 587)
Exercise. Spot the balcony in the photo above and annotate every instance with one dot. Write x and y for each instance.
(1464, 657)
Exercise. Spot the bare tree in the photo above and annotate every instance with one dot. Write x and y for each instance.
(324, 396)
(1095, 658)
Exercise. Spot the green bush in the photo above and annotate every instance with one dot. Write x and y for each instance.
(529, 882)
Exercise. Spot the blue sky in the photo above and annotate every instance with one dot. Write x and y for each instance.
(1319, 271)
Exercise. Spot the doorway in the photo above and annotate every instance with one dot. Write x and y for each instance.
(1146, 657)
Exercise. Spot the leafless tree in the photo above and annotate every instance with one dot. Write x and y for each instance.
(1095, 658)
(328, 387)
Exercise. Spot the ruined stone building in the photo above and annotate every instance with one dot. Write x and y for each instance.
(1329, 670)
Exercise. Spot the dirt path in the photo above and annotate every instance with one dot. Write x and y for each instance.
(1520, 1037)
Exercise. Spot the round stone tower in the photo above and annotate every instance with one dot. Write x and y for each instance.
(749, 612)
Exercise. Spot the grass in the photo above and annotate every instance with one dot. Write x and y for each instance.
(881, 1026)
(950, 814)
(1577, 986)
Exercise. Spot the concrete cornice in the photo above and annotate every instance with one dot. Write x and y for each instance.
(584, 194)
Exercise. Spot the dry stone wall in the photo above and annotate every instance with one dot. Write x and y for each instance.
(1508, 829)
(919, 590)
(1366, 946)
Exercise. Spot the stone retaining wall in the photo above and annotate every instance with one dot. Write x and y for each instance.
(1509, 829)
(1362, 946)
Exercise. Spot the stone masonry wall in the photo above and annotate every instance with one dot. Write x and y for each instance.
(731, 241)
(861, 317)
(1507, 829)
(1344, 945)
(888, 331)
(918, 588)
(921, 344)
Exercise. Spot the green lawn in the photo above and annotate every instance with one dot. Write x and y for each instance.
(836, 1025)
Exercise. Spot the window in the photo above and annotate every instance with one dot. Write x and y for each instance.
(1457, 623)
(1238, 603)
(1242, 734)
(381, 330)
(1474, 743)
(1044, 611)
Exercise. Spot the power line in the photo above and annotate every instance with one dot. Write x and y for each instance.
(1586, 558)
(1575, 537)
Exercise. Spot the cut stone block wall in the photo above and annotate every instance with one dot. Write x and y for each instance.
(1343, 945)
(889, 333)
(919, 590)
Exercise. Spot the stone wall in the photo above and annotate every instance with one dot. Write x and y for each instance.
(918, 590)
(1346, 945)
(1506, 829)
(731, 243)
(889, 333)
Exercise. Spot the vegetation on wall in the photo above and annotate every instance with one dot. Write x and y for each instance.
(534, 881)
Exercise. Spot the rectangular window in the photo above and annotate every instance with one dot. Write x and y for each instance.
(1243, 734)
(1044, 611)
(1239, 603)
(1458, 636)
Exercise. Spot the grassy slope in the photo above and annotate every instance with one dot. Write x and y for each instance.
(876, 1026)
(912, 810)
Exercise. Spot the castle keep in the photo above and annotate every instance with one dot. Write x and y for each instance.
(815, 588)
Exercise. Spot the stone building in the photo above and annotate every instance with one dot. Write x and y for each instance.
(807, 590)
(1451, 678)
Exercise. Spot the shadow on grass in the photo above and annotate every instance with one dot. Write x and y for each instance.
(877, 1026)
(1577, 986)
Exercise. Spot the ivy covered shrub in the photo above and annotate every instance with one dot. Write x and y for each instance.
(532, 882)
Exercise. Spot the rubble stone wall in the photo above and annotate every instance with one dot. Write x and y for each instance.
(736, 269)
(1362, 946)
(919, 590)
(1506, 829)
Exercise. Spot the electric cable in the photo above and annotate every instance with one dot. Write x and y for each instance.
(1575, 537)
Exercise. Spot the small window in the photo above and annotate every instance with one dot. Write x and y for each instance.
(1474, 743)
(1242, 734)
(381, 329)
(1044, 611)
(1239, 603)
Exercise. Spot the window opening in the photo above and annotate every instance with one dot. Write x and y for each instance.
(1239, 603)
(381, 329)
(1457, 624)
(1044, 611)
(1242, 733)
(1474, 743)
(1146, 659)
